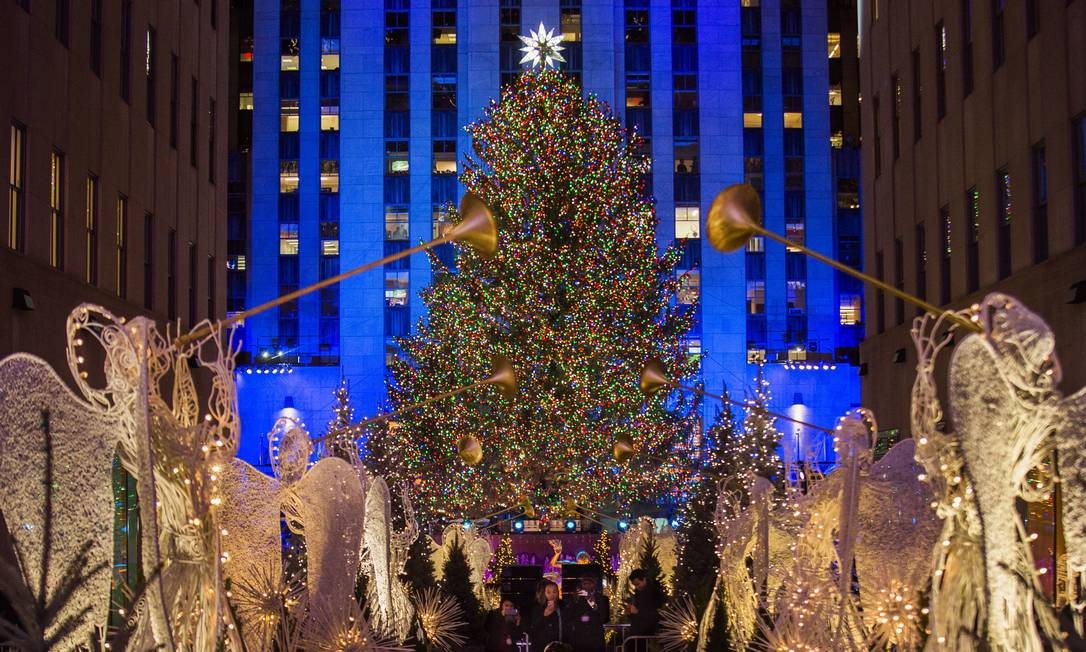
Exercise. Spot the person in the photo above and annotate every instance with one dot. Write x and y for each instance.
(547, 623)
(644, 604)
(588, 610)
(503, 627)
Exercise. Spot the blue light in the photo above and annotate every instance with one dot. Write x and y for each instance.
(518, 525)
(674, 523)
(571, 525)
(467, 523)
(623, 525)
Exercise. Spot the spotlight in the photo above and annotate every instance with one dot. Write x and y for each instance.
(467, 523)
(571, 525)
(623, 525)
(674, 523)
(249, 370)
(518, 525)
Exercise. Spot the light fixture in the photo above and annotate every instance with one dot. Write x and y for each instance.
(518, 525)
(623, 525)
(571, 525)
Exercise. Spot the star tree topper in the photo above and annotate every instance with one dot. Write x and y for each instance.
(541, 47)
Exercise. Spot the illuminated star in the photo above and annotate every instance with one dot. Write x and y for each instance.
(541, 47)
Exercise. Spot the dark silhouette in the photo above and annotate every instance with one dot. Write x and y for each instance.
(503, 627)
(586, 613)
(547, 625)
(644, 604)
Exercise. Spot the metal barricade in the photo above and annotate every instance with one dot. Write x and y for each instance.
(641, 644)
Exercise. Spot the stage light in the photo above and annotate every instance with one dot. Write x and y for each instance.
(674, 523)
(518, 525)
(623, 525)
(571, 525)
(467, 523)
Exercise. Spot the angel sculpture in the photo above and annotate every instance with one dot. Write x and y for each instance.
(384, 553)
(1004, 407)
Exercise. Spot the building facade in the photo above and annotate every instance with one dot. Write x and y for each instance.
(357, 132)
(975, 172)
(115, 152)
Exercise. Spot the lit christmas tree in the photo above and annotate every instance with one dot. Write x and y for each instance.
(503, 558)
(602, 553)
(755, 450)
(342, 444)
(577, 297)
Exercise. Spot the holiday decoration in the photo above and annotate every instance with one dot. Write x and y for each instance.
(541, 48)
(440, 620)
(503, 558)
(384, 554)
(678, 626)
(576, 297)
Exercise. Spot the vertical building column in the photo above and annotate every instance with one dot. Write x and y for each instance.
(822, 310)
(309, 180)
(264, 224)
(362, 201)
(477, 36)
(776, 307)
(723, 282)
(420, 151)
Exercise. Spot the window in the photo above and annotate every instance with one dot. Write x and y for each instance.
(288, 115)
(850, 309)
(148, 261)
(56, 210)
(895, 115)
(796, 296)
(1040, 202)
(444, 157)
(877, 149)
(329, 115)
(972, 250)
(175, 98)
(212, 152)
(967, 47)
(396, 223)
(940, 70)
(330, 175)
(920, 245)
(833, 40)
(63, 21)
(396, 283)
(288, 175)
(122, 246)
(96, 37)
(755, 297)
(918, 92)
(91, 230)
(998, 37)
(689, 286)
(1078, 147)
(288, 239)
(1003, 186)
(149, 71)
(193, 283)
(171, 275)
(126, 49)
(945, 253)
(194, 122)
(17, 189)
(687, 222)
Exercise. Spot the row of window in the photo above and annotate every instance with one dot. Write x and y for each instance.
(58, 205)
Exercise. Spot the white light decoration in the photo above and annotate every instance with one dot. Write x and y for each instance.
(541, 48)
(384, 553)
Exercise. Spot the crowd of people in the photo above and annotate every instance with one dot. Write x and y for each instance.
(575, 624)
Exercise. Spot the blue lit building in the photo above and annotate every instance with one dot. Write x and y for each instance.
(357, 116)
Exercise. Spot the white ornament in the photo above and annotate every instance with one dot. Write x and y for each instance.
(541, 48)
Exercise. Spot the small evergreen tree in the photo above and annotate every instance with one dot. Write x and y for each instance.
(502, 559)
(602, 552)
(418, 569)
(456, 583)
(342, 443)
(649, 562)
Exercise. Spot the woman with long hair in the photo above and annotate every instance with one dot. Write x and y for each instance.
(546, 625)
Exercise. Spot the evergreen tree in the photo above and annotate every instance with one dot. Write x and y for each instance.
(756, 448)
(602, 553)
(418, 570)
(577, 297)
(456, 583)
(649, 562)
(503, 558)
(342, 442)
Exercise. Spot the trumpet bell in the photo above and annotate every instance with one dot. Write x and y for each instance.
(653, 377)
(734, 217)
(503, 376)
(623, 448)
(476, 227)
(470, 450)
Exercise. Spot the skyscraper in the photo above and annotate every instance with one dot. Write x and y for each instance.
(357, 138)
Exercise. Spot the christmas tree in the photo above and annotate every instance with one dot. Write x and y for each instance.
(418, 570)
(341, 442)
(755, 450)
(649, 562)
(602, 553)
(456, 583)
(502, 559)
(577, 297)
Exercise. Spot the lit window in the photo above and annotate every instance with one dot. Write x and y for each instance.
(396, 288)
(795, 233)
(796, 298)
(245, 101)
(689, 286)
(835, 95)
(445, 35)
(330, 175)
(756, 244)
(752, 120)
(329, 247)
(288, 175)
(755, 297)
(236, 263)
(687, 222)
(288, 115)
(693, 347)
(444, 157)
(850, 309)
(833, 40)
(288, 239)
(793, 120)
(395, 223)
(837, 140)
(570, 24)
(329, 62)
(441, 222)
(329, 115)
(289, 62)
(755, 356)
(396, 161)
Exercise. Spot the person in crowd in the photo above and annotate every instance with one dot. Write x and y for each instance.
(586, 613)
(503, 627)
(644, 604)
(547, 625)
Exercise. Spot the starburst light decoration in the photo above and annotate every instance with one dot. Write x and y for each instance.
(541, 48)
